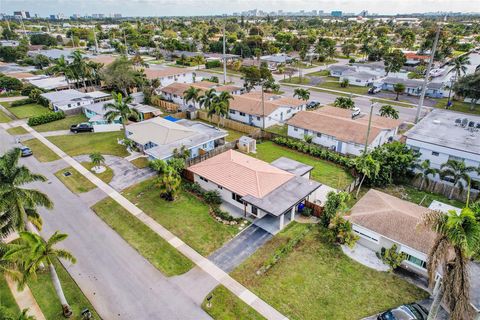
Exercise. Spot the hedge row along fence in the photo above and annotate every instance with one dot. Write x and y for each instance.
(45, 118)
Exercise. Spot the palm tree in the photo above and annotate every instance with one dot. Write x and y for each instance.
(424, 170)
(388, 111)
(208, 98)
(459, 68)
(18, 205)
(168, 180)
(33, 252)
(120, 109)
(367, 166)
(97, 159)
(398, 88)
(61, 66)
(191, 94)
(79, 66)
(198, 60)
(302, 94)
(457, 172)
(457, 241)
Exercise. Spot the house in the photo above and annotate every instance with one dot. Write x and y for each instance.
(52, 53)
(47, 83)
(335, 128)
(256, 188)
(275, 60)
(71, 101)
(170, 75)
(158, 137)
(381, 220)
(146, 112)
(414, 87)
(358, 78)
(414, 59)
(446, 135)
(275, 109)
(339, 70)
(377, 68)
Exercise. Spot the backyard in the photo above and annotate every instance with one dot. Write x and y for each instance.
(63, 124)
(323, 171)
(459, 106)
(317, 281)
(187, 217)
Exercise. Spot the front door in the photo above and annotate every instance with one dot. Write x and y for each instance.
(339, 146)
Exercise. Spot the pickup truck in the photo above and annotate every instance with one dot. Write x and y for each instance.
(81, 127)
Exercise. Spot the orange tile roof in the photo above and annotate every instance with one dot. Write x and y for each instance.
(160, 73)
(242, 174)
(179, 88)
(20, 75)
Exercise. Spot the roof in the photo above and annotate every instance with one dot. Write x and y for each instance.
(277, 58)
(242, 174)
(292, 166)
(412, 83)
(63, 95)
(52, 53)
(340, 68)
(178, 88)
(439, 128)
(144, 108)
(251, 103)
(48, 83)
(20, 75)
(393, 218)
(98, 107)
(363, 75)
(152, 73)
(415, 56)
(338, 123)
(105, 59)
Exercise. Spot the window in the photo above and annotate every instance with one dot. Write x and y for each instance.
(414, 260)
(203, 179)
(415, 149)
(237, 197)
(219, 187)
(232, 111)
(456, 158)
(305, 131)
(254, 210)
(295, 129)
(434, 153)
(365, 235)
(289, 110)
(319, 135)
(242, 114)
(258, 118)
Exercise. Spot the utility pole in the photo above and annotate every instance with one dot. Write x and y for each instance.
(427, 75)
(224, 57)
(263, 108)
(24, 31)
(369, 126)
(96, 42)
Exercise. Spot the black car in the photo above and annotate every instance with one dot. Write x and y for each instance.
(412, 311)
(81, 127)
(313, 104)
(26, 151)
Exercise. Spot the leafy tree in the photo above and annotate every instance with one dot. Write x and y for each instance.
(35, 95)
(424, 171)
(398, 88)
(394, 61)
(342, 231)
(121, 76)
(254, 76)
(367, 166)
(457, 172)
(392, 257)
(120, 109)
(302, 94)
(191, 94)
(336, 202)
(348, 48)
(10, 83)
(344, 103)
(325, 47)
(467, 87)
(43, 39)
(388, 111)
(345, 82)
(13, 54)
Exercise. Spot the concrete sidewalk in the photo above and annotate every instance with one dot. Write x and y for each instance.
(25, 300)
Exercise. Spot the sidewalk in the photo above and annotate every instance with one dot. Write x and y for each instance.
(206, 265)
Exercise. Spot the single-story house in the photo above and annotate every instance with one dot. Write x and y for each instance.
(377, 68)
(95, 113)
(382, 220)
(170, 75)
(359, 78)
(275, 109)
(158, 137)
(71, 101)
(335, 128)
(260, 190)
(52, 53)
(339, 70)
(49, 83)
(414, 87)
(276, 59)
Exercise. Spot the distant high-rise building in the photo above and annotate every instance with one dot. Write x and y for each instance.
(22, 14)
(336, 13)
(364, 13)
(76, 16)
(117, 15)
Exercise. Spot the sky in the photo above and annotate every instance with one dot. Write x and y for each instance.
(213, 7)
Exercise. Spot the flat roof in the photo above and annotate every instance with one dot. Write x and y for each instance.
(292, 166)
(439, 128)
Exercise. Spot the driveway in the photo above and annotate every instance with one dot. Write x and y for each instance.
(237, 250)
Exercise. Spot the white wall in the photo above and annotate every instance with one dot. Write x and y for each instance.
(186, 77)
(107, 127)
(280, 115)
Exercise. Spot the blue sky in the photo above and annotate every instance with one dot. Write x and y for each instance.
(209, 7)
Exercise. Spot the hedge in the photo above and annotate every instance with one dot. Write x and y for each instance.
(45, 118)
(18, 103)
(213, 64)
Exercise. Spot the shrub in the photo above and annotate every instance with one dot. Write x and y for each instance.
(212, 198)
(194, 188)
(213, 64)
(308, 138)
(352, 60)
(392, 257)
(27, 89)
(45, 118)
(341, 231)
(225, 216)
(22, 102)
(306, 212)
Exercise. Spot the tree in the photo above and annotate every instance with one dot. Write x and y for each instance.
(10, 83)
(169, 179)
(398, 88)
(336, 202)
(120, 75)
(120, 109)
(198, 60)
(367, 166)
(254, 76)
(457, 241)
(459, 66)
(79, 66)
(33, 252)
(97, 159)
(191, 94)
(467, 87)
(348, 48)
(424, 171)
(325, 48)
(394, 61)
(344, 103)
(302, 94)
(43, 39)
(457, 173)
(62, 66)
(345, 82)
(208, 99)
(388, 111)
(18, 205)
(220, 106)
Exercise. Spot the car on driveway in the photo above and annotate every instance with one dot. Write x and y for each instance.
(81, 127)
(312, 105)
(355, 112)
(412, 311)
(374, 90)
(25, 151)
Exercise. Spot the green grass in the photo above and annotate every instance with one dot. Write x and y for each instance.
(140, 162)
(105, 176)
(63, 124)
(7, 300)
(280, 129)
(44, 293)
(149, 244)
(41, 151)
(323, 171)
(76, 182)
(87, 143)
(333, 84)
(17, 131)
(417, 196)
(393, 102)
(187, 217)
(225, 305)
(219, 70)
(323, 73)
(303, 65)
(459, 106)
(296, 80)
(317, 281)
(28, 110)
(4, 118)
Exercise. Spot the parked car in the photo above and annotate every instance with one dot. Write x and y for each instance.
(374, 90)
(81, 127)
(25, 151)
(312, 105)
(412, 311)
(355, 111)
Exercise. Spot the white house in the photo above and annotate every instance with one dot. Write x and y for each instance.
(275, 109)
(71, 101)
(335, 128)
(340, 70)
(170, 75)
(359, 78)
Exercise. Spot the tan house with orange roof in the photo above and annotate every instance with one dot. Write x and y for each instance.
(248, 108)
(262, 191)
(170, 75)
(335, 128)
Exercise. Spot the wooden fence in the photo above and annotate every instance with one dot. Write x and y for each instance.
(227, 123)
(165, 105)
(316, 209)
(227, 146)
(439, 187)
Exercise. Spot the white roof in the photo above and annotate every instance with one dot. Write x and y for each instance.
(63, 95)
(48, 83)
(442, 207)
(158, 131)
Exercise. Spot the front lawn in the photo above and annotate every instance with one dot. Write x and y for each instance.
(322, 73)
(237, 309)
(28, 110)
(106, 176)
(63, 124)
(17, 131)
(332, 83)
(7, 300)
(75, 181)
(317, 281)
(87, 143)
(323, 171)
(4, 118)
(150, 245)
(296, 80)
(187, 217)
(44, 292)
(459, 106)
(41, 151)
(140, 163)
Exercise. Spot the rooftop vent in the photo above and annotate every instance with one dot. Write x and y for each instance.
(436, 121)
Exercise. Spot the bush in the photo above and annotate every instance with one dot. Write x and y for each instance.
(194, 188)
(213, 64)
(392, 257)
(352, 60)
(212, 198)
(22, 102)
(341, 231)
(306, 212)
(27, 89)
(225, 216)
(45, 118)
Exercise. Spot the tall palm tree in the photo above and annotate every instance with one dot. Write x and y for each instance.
(61, 66)
(424, 171)
(32, 252)
(208, 98)
(17, 204)
(388, 111)
(79, 66)
(220, 106)
(457, 171)
(120, 109)
(302, 94)
(457, 241)
(191, 94)
(367, 166)
(459, 68)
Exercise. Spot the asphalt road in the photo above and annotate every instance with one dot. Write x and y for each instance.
(118, 281)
